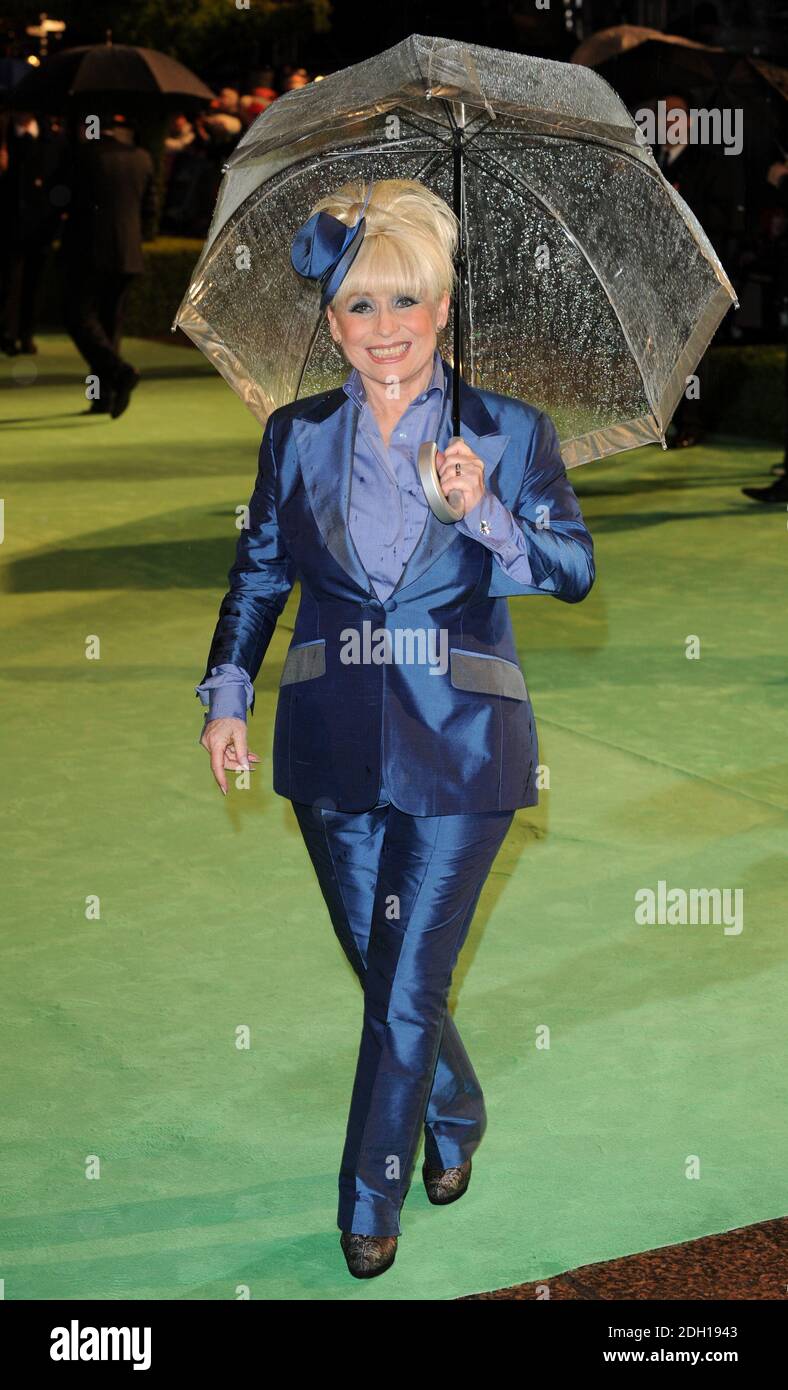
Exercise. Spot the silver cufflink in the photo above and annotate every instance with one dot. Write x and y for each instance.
(484, 527)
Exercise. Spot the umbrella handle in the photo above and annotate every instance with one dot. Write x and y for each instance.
(446, 509)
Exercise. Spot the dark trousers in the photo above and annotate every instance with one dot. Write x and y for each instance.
(20, 272)
(93, 303)
(401, 891)
(785, 408)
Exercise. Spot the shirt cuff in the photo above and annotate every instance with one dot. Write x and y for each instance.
(228, 692)
(493, 524)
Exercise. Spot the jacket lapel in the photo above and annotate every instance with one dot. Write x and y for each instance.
(325, 440)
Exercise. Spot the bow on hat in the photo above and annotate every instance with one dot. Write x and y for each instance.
(324, 249)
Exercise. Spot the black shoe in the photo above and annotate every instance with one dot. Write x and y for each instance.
(775, 492)
(28, 347)
(126, 381)
(102, 406)
(9, 346)
(445, 1185)
(367, 1256)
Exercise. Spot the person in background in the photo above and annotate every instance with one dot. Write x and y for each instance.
(777, 492)
(712, 185)
(292, 78)
(218, 131)
(28, 222)
(221, 125)
(180, 135)
(229, 101)
(256, 102)
(111, 210)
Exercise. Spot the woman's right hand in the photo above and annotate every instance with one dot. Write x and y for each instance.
(225, 740)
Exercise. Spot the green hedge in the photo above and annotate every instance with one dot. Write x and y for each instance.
(743, 386)
(745, 391)
(153, 299)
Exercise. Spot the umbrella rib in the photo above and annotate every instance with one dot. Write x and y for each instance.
(352, 151)
(450, 115)
(395, 147)
(441, 154)
(547, 135)
(477, 133)
(436, 159)
(464, 129)
(511, 187)
(445, 142)
(408, 120)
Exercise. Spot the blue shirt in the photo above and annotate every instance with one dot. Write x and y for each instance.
(388, 509)
(388, 512)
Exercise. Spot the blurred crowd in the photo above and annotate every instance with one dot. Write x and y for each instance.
(197, 147)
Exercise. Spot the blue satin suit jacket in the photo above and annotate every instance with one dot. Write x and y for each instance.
(421, 694)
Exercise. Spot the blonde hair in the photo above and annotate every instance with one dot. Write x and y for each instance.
(410, 239)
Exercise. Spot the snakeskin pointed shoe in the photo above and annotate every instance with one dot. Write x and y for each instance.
(445, 1185)
(367, 1256)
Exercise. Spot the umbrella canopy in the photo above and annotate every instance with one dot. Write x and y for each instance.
(587, 286)
(112, 71)
(607, 44)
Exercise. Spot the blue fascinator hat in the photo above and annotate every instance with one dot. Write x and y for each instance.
(324, 249)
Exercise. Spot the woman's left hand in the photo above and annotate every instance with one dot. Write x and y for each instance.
(470, 482)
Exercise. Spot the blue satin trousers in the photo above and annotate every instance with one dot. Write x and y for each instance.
(401, 891)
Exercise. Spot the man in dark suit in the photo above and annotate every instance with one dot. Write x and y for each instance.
(710, 182)
(777, 491)
(712, 186)
(112, 209)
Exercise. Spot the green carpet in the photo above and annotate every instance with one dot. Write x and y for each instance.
(147, 1155)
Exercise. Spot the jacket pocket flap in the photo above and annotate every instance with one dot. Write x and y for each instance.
(487, 675)
(304, 662)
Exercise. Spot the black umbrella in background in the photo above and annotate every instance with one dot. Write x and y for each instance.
(110, 75)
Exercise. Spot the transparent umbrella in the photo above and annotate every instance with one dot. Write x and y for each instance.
(586, 285)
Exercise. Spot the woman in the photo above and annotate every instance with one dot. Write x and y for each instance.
(404, 734)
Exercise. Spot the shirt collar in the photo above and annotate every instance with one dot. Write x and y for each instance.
(354, 386)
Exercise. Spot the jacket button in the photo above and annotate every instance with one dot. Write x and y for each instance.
(390, 605)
